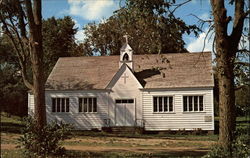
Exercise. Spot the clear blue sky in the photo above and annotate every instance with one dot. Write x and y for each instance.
(85, 11)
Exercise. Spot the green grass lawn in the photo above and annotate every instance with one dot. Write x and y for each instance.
(11, 124)
(80, 154)
(11, 129)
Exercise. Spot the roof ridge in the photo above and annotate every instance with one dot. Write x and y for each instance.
(135, 55)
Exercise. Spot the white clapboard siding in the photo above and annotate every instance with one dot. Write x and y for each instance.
(80, 120)
(121, 89)
(31, 105)
(178, 120)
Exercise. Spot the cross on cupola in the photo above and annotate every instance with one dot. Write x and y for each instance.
(126, 38)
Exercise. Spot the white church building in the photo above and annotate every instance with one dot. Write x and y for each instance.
(155, 91)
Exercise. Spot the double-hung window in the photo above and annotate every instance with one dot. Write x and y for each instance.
(193, 104)
(88, 105)
(163, 104)
(60, 104)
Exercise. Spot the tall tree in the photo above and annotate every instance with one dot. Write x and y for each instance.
(150, 24)
(226, 48)
(58, 40)
(11, 85)
(22, 22)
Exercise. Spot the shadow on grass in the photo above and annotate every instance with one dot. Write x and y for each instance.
(112, 154)
(11, 127)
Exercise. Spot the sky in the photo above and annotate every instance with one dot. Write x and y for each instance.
(86, 11)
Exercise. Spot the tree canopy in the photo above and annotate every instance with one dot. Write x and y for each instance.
(58, 40)
(151, 26)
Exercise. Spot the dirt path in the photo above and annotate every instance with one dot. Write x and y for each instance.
(8, 146)
(142, 145)
(121, 144)
(133, 149)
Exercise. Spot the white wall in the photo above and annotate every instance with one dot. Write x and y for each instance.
(178, 119)
(128, 90)
(84, 121)
(144, 108)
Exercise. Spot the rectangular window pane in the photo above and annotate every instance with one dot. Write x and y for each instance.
(53, 104)
(170, 103)
(165, 104)
(90, 105)
(130, 100)
(201, 103)
(63, 104)
(155, 104)
(58, 105)
(160, 104)
(85, 105)
(124, 101)
(185, 103)
(118, 101)
(94, 105)
(67, 104)
(190, 103)
(195, 103)
(80, 104)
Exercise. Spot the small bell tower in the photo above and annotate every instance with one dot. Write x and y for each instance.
(126, 54)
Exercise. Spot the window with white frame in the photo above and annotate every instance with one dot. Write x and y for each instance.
(193, 103)
(60, 104)
(162, 104)
(88, 105)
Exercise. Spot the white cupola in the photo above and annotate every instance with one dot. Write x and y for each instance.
(126, 54)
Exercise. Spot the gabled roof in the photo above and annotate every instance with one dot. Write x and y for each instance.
(172, 70)
(118, 75)
(125, 46)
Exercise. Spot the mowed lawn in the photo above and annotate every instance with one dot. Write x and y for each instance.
(99, 144)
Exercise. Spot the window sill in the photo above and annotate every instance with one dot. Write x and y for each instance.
(193, 112)
(60, 112)
(164, 113)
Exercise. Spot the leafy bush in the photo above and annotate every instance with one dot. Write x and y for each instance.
(240, 147)
(43, 142)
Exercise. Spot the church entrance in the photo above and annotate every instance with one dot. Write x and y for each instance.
(125, 112)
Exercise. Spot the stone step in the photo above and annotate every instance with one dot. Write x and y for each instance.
(122, 129)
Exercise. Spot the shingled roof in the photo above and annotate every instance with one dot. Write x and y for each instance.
(174, 70)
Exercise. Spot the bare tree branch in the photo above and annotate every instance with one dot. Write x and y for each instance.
(240, 87)
(22, 25)
(16, 41)
(22, 52)
(238, 22)
(179, 5)
(242, 63)
(30, 15)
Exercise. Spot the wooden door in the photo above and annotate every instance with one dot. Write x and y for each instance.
(125, 112)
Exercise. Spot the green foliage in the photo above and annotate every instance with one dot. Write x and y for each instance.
(11, 124)
(44, 142)
(240, 147)
(11, 85)
(58, 40)
(150, 24)
(242, 100)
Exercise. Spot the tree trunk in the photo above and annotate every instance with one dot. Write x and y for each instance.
(38, 82)
(226, 49)
(227, 98)
(36, 49)
(225, 59)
